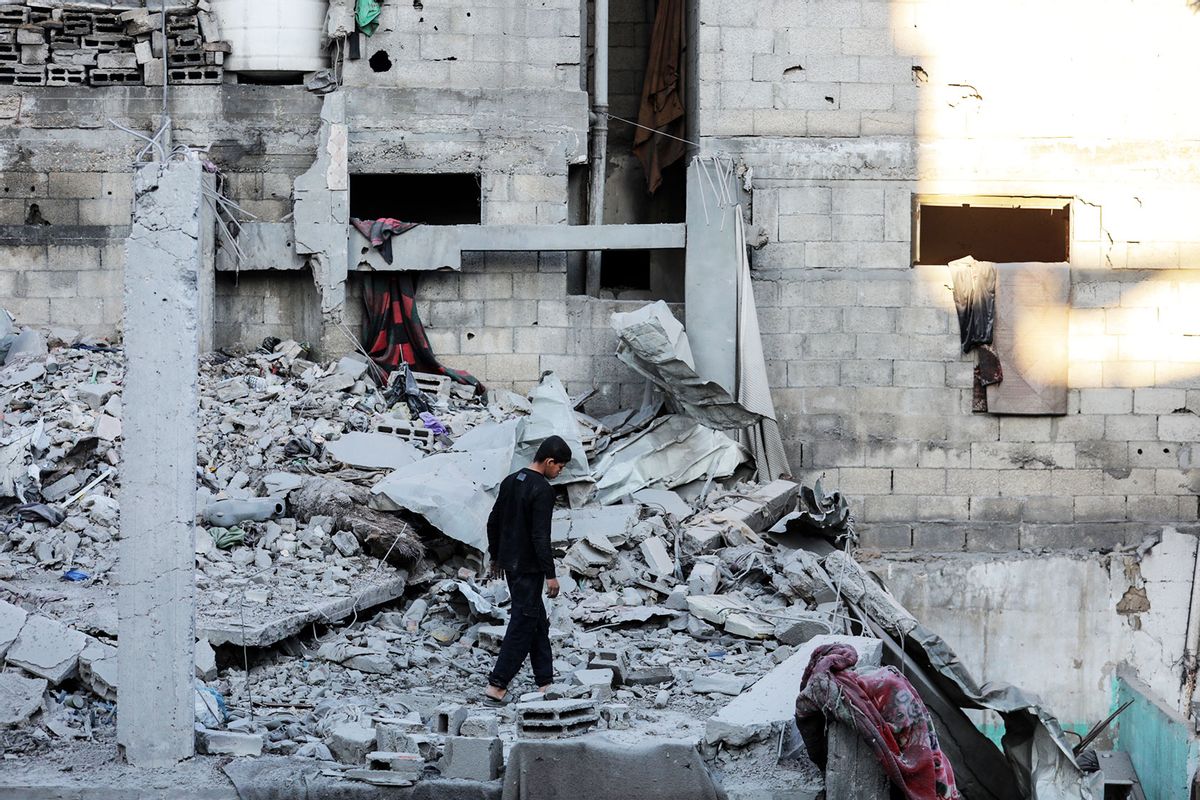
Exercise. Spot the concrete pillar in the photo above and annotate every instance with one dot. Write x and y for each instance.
(852, 772)
(155, 601)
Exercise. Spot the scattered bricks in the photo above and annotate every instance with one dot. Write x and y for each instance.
(140, 21)
(187, 43)
(22, 75)
(554, 718)
(115, 77)
(649, 676)
(477, 725)
(73, 56)
(406, 430)
(201, 76)
(228, 743)
(394, 735)
(181, 60)
(31, 34)
(35, 54)
(116, 60)
(448, 719)
(76, 23)
(614, 660)
(11, 53)
(108, 23)
(47, 649)
(351, 741)
(473, 758)
(704, 578)
(107, 41)
(20, 698)
(12, 15)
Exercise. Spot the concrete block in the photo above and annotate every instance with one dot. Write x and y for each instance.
(658, 560)
(228, 743)
(704, 579)
(20, 698)
(594, 677)
(98, 669)
(473, 758)
(351, 741)
(650, 676)
(556, 718)
(718, 683)
(616, 660)
(47, 649)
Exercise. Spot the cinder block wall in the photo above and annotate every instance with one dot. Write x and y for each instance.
(846, 108)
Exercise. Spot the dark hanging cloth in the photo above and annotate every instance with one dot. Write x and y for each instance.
(975, 300)
(381, 231)
(662, 106)
(393, 333)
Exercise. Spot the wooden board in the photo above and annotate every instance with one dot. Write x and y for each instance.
(1032, 307)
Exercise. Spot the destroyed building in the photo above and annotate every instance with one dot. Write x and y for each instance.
(856, 151)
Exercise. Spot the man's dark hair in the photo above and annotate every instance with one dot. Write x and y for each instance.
(554, 447)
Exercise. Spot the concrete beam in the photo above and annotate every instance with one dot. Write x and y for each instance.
(156, 593)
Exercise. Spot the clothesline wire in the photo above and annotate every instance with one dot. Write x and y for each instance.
(652, 130)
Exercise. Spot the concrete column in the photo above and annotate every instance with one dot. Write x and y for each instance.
(155, 601)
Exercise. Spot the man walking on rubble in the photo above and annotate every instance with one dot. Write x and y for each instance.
(519, 546)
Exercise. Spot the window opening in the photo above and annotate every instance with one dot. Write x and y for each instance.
(999, 229)
(427, 198)
(625, 271)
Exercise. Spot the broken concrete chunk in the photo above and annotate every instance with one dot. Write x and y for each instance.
(473, 758)
(613, 522)
(765, 505)
(478, 724)
(802, 627)
(650, 676)
(658, 560)
(354, 367)
(718, 683)
(594, 677)
(615, 660)
(63, 487)
(350, 742)
(98, 669)
(12, 619)
(47, 649)
(228, 743)
(346, 544)
(206, 661)
(20, 697)
(374, 451)
(704, 579)
(666, 501)
(96, 394)
(107, 428)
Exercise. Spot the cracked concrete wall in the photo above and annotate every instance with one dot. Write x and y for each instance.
(156, 589)
(1055, 624)
(843, 110)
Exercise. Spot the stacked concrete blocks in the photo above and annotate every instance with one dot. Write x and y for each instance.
(549, 719)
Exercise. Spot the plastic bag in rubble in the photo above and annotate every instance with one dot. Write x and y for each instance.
(403, 386)
(210, 707)
(975, 300)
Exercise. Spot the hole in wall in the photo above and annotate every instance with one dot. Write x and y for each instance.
(428, 198)
(34, 216)
(470, 336)
(1139, 451)
(993, 229)
(380, 62)
(625, 270)
(418, 5)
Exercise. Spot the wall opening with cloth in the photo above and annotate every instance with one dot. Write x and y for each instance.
(427, 198)
(1001, 229)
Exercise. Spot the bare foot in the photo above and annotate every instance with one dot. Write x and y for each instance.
(494, 692)
(544, 689)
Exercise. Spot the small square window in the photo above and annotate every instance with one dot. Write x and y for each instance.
(999, 229)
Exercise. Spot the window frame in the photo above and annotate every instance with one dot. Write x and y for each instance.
(1049, 202)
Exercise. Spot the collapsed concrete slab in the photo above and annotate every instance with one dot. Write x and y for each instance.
(614, 522)
(374, 451)
(262, 625)
(751, 716)
(765, 506)
(20, 697)
(47, 649)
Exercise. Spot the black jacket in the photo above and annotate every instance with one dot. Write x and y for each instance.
(519, 525)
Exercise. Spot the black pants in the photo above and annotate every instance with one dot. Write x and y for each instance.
(528, 633)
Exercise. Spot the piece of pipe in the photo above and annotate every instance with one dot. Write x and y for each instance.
(599, 120)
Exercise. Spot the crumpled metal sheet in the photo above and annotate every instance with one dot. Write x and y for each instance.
(553, 415)
(453, 491)
(653, 343)
(671, 452)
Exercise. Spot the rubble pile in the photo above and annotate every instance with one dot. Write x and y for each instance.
(57, 44)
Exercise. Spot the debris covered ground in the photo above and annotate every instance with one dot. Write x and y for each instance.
(341, 610)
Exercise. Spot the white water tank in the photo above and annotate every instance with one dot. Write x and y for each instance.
(273, 36)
